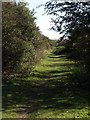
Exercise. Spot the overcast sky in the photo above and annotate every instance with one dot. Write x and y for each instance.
(43, 21)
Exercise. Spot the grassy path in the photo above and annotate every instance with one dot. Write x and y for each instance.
(50, 92)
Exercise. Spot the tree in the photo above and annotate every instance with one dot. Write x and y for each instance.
(23, 43)
(72, 20)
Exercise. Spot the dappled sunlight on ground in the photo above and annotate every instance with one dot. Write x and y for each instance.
(50, 92)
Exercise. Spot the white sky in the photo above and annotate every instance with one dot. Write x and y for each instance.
(43, 21)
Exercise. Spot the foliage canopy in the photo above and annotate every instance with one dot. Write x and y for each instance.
(23, 43)
(72, 20)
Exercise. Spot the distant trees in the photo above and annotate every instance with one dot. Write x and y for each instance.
(23, 44)
(72, 20)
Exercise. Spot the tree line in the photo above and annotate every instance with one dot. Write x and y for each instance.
(23, 44)
(72, 20)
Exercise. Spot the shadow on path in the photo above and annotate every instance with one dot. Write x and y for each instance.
(46, 89)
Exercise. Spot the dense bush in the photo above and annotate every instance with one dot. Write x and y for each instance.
(59, 50)
(23, 44)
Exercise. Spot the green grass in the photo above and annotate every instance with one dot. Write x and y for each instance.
(52, 91)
